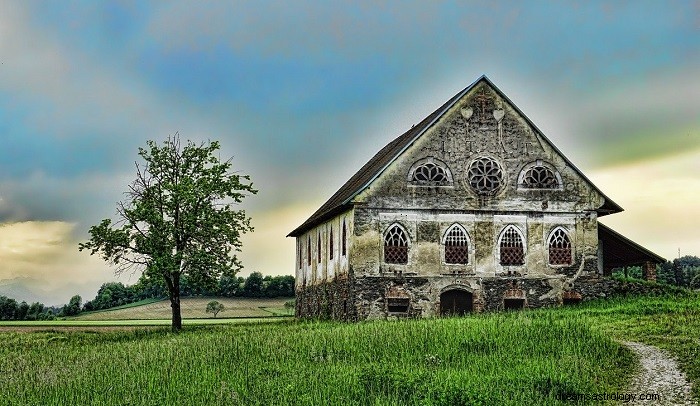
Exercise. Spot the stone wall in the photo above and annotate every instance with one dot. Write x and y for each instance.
(368, 297)
(593, 287)
(327, 300)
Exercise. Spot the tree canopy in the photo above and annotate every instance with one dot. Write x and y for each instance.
(214, 307)
(178, 219)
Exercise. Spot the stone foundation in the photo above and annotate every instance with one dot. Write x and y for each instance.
(329, 300)
(381, 297)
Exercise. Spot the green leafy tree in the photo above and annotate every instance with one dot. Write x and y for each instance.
(22, 311)
(73, 307)
(147, 287)
(215, 307)
(253, 286)
(8, 308)
(35, 309)
(230, 286)
(178, 219)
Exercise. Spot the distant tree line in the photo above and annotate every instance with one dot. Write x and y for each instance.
(10, 309)
(684, 272)
(112, 294)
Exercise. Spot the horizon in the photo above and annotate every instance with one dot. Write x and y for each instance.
(302, 94)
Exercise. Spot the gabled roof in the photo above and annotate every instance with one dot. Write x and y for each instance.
(341, 200)
(619, 251)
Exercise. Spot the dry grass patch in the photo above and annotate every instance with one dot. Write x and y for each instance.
(194, 308)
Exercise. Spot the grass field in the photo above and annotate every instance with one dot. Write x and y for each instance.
(42, 325)
(194, 308)
(519, 358)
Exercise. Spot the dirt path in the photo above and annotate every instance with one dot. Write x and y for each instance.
(660, 374)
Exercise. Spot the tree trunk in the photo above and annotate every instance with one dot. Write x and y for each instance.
(175, 304)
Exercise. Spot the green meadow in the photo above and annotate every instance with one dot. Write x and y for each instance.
(516, 358)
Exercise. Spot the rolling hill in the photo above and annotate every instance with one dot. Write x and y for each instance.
(194, 308)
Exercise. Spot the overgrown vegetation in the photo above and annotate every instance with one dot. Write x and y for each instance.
(499, 359)
(522, 358)
(671, 322)
(683, 272)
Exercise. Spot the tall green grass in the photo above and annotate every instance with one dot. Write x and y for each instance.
(523, 358)
(671, 322)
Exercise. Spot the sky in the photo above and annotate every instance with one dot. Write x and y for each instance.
(302, 93)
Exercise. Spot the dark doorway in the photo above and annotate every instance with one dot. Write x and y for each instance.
(455, 302)
(513, 304)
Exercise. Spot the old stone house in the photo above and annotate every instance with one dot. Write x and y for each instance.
(471, 209)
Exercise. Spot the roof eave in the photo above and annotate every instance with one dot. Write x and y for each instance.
(325, 217)
(657, 258)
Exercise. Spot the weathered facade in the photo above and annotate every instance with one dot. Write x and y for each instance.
(472, 209)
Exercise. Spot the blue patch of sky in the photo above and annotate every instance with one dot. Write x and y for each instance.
(592, 41)
(104, 28)
(279, 96)
(297, 85)
(69, 151)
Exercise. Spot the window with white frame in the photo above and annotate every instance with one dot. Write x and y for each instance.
(485, 176)
(539, 175)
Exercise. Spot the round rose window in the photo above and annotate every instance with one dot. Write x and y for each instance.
(485, 176)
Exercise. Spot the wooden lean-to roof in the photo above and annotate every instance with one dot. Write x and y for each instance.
(620, 251)
(342, 199)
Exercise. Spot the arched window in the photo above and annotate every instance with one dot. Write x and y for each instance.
(308, 250)
(539, 175)
(395, 245)
(456, 245)
(344, 242)
(430, 172)
(330, 243)
(318, 248)
(511, 247)
(485, 176)
(559, 248)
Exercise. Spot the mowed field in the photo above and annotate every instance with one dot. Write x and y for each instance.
(195, 308)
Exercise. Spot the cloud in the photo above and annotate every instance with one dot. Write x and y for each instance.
(42, 257)
(303, 94)
(267, 249)
(660, 198)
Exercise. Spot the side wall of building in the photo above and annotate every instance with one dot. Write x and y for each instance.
(323, 276)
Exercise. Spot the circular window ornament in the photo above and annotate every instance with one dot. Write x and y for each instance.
(485, 176)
